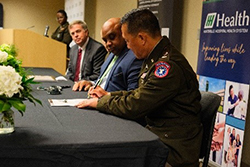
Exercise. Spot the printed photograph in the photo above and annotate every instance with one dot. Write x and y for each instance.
(218, 139)
(236, 98)
(232, 147)
(214, 85)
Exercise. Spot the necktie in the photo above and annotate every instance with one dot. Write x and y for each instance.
(107, 70)
(78, 64)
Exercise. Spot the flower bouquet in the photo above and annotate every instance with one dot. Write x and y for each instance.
(15, 87)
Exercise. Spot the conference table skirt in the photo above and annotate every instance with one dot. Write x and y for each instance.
(48, 136)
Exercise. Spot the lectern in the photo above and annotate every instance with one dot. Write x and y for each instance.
(35, 50)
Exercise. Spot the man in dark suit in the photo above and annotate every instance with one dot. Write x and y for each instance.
(121, 74)
(87, 56)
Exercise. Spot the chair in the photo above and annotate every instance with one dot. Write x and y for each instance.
(210, 103)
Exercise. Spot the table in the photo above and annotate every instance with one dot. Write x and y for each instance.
(70, 137)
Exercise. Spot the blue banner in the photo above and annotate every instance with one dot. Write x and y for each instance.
(223, 68)
(224, 40)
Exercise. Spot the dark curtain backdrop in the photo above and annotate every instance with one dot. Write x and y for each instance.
(169, 14)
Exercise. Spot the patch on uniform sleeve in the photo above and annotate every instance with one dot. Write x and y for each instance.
(161, 69)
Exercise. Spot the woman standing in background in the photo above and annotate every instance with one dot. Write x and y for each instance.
(62, 33)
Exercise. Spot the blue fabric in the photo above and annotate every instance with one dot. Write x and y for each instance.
(124, 73)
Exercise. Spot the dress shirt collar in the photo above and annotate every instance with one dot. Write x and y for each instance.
(85, 44)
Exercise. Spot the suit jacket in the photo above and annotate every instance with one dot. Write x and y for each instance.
(124, 73)
(93, 59)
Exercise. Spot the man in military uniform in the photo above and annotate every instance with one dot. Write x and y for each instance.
(167, 96)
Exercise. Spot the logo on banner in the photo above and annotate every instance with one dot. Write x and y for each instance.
(210, 20)
(222, 23)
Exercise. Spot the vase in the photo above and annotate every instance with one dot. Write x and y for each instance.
(6, 122)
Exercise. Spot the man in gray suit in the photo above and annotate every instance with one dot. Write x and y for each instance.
(86, 56)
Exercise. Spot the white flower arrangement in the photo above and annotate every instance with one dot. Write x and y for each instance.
(3, 56)
(10, 81)
(15, 86)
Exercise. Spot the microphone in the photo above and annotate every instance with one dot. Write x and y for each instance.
(46, 31)
(30, 27)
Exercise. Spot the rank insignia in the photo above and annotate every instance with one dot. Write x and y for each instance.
(143, 75)
(161, 69)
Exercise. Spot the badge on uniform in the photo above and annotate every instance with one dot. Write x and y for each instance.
(161, 69)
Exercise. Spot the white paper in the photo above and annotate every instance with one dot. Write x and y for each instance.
(42, 77)
(61, 78)
(64, 102)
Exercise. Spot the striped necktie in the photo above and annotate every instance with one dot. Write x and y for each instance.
(107, 70)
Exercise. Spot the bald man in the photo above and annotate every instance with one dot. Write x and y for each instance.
(121, 69)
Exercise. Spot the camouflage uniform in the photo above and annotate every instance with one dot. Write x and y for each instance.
(168, 98)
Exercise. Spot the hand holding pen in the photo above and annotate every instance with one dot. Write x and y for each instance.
(97, 91)
(93, 87)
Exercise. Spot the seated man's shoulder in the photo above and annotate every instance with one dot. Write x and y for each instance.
(130, 53)
(130, 61)
(75, 46)
(73, 49)
(130, 56)
(95, 42)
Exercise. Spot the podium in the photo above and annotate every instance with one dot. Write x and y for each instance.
(35, 50)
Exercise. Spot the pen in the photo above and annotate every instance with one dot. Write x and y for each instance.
(96, 84)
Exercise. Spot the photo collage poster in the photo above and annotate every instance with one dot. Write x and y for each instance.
(223, 69)
(230, 120)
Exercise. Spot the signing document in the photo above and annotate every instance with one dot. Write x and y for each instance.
(64, 102)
